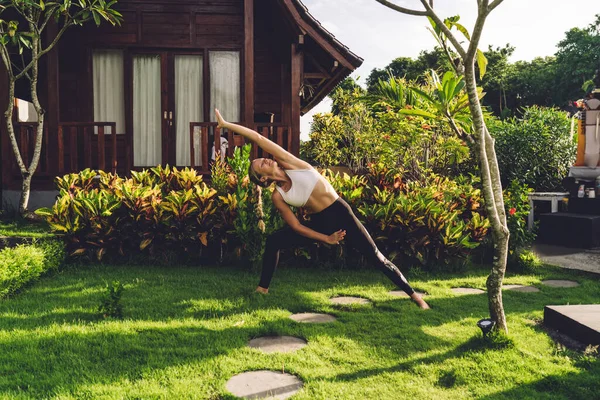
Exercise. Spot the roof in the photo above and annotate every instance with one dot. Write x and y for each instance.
(354, 59)
(347, 60)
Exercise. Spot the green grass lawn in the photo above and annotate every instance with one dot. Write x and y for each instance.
(186, 330)
(23, 228)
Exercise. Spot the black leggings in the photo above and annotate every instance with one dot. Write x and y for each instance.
(337, 216)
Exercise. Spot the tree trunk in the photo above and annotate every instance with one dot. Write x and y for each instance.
(25, 191)
(492, 192)
(37, 151)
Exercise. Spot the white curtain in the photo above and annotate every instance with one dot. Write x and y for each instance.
(188, 107)
(147, 144)
(109, 101)
(225, 84)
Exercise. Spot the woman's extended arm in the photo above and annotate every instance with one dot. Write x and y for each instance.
(292, 221)
(270, 147)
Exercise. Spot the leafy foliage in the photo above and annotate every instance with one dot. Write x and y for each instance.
(110, 304)
(24, 264)
(536, 150)
(431, 223)
(393, 126)
(517, 209)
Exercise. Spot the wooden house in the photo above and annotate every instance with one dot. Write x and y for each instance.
(155, 80)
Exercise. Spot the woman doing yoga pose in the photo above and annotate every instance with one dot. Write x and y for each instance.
(298, 184)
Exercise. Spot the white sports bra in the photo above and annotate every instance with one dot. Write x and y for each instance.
(303, 184)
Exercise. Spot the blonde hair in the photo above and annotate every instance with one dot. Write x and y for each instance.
(255, 178)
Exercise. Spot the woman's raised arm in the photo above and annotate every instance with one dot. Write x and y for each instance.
(270, 147)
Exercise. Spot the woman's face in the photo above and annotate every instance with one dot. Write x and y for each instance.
(265, 167)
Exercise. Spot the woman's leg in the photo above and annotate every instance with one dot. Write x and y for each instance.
(358, 237)
(283, 239)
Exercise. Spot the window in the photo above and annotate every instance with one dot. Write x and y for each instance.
(109, 89)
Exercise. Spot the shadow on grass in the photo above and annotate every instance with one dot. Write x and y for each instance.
(37, 361)
(573, 385)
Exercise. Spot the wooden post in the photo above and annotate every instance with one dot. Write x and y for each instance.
(204, 148)
(60, 165)
(297, 61)
(248, 63)
(6, 158)
(52, 96)
(101, 149)
(113, 143)
(192, 151)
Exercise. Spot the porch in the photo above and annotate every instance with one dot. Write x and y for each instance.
(80, 145)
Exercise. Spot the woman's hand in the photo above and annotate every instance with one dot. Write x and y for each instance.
(220, 121)
(335, 237)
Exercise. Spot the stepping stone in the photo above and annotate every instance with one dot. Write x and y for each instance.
(313, 318)
(275, 344)
(521, 288)
(560, 283)
(402, 293)
(466, 290)
(345, 300)
(264, 384)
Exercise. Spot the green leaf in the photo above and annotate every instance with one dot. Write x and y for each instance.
(419, 113)
(482, 63)
(96, 18)
(463, 30)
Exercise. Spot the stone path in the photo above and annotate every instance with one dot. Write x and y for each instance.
(264, 384)
(566, 257)
(345, 300)
(279, 385)
(557, 283)
(521, 288)
(313, 318)
(277, 344)
(462, 290)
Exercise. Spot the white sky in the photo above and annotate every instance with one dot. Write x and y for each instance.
(379, 34)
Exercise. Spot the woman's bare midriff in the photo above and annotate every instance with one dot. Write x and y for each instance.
(321, 197)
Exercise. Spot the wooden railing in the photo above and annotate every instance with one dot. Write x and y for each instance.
(83, 145)
(26, 133)
(205, 135)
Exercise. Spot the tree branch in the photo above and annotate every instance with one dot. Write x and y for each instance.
(430, 13)
(494, 4)
(476, 35)
(402, 9)
(67, 25)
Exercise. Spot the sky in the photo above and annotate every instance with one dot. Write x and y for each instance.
(379, 34)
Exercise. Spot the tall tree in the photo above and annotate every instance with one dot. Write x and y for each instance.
(495, 81)
(36, 15)
(409, 69)
(577, 58)
(490, 174)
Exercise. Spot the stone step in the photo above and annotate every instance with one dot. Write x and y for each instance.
(570, 230)
(580, 322)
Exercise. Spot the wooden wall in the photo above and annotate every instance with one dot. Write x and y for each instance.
(200, 24)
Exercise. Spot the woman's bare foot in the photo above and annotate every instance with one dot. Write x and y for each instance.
(420, 302)
(262, 290)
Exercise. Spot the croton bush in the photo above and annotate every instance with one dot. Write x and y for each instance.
(173, 214)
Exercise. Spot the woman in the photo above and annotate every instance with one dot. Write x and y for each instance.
(298, 184)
